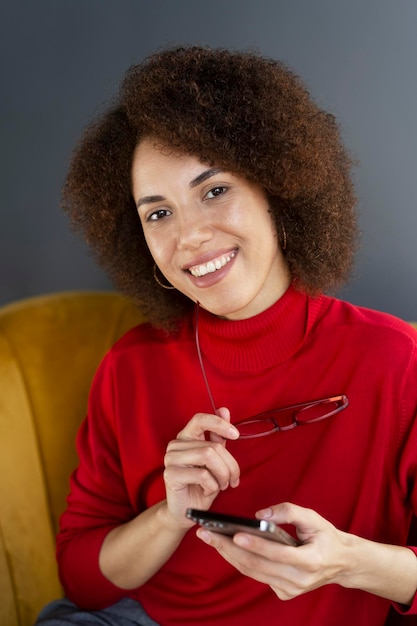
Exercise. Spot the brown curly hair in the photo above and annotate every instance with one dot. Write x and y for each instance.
(243, 112)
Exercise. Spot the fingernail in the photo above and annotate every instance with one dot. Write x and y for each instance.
(233, 433)
(204, 536)
(235, 483)
(264, 513)
(241, 540)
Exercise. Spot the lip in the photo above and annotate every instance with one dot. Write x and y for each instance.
(211, 278)
(207, 257)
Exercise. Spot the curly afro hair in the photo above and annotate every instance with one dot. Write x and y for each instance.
(243, 112)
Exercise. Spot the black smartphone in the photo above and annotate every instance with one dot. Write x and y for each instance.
(231, 524)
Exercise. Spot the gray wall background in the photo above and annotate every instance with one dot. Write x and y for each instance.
(62, 59)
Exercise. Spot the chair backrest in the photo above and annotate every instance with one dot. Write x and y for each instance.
(50, 347)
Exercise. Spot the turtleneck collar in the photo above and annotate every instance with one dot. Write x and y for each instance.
(261, 341)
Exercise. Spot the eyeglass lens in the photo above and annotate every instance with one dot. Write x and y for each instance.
(290, 417)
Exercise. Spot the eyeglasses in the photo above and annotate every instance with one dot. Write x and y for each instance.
(281, 419)
(289, 417)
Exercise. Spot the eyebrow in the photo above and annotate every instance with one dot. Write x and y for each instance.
(149, 200)
(204, 176)
(201, 178)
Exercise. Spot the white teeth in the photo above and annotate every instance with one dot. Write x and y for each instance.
(211, 266)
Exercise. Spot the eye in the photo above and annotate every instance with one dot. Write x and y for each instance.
(216, 192)
(158, 215)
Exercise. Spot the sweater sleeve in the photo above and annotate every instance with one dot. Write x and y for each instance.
(408, 610)
(406, 461)
(98, 501)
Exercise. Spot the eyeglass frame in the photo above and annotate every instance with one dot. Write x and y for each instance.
(341, 400)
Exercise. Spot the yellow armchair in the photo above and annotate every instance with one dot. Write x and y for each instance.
(50, 347)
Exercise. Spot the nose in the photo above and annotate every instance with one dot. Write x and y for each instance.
(194, 228)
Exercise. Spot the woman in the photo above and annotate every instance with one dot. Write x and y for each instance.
(218, 196)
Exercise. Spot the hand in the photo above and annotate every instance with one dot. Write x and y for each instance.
(197, 468)
(289, 571)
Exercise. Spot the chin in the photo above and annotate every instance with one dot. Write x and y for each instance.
(226, 312)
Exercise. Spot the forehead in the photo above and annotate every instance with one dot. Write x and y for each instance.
(153, 162)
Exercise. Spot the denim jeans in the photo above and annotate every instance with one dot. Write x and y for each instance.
(126, 612)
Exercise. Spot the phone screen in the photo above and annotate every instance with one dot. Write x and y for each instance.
(232, 524)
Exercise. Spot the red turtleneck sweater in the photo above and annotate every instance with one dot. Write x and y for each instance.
(358, 469)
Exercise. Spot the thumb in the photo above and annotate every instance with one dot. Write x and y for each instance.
(307, 522)
(224, 413)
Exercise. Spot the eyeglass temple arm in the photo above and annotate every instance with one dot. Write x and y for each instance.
(200, 358)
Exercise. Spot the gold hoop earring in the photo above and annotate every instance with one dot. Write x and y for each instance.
(284, 237)
(159, 282)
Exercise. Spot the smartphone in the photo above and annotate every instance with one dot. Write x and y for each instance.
(231, 524)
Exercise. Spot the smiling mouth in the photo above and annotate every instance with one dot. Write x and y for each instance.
(212, 266)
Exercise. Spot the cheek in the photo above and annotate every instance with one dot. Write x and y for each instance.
(157, 247)
(237, 222)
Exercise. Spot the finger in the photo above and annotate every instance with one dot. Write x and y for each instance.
(212, 456)
(290, 570)
(178, 478)
(224, 413)
(307, 521)
(272, 550)
(250, 564)
(202, 423)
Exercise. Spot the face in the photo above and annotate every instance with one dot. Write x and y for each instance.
(209, 231)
